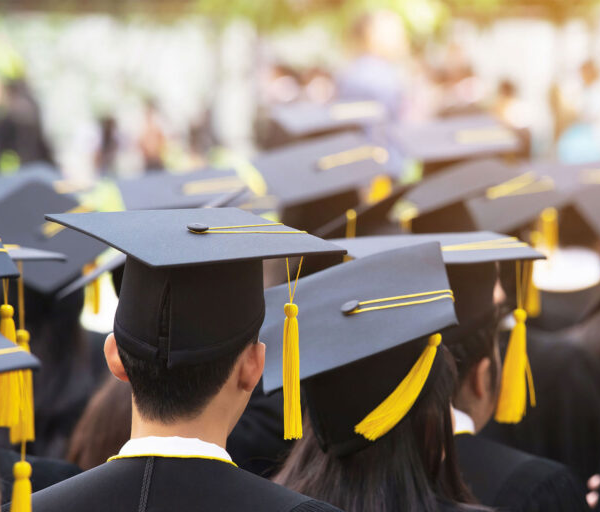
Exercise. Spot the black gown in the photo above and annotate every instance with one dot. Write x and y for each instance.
(45, 472)
(565, 424)
(502, 477)
(139, 484)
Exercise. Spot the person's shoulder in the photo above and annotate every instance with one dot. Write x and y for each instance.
(516, 479)
(315, 506)
(111, 486)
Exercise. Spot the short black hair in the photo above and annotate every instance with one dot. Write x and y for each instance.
(170, 394)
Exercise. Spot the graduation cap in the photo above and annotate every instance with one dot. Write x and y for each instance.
(160, 190)
(212, 255)
(317, 180)
(471, 259)
(365, 219)
(302, 119)
(361, 373)
(22, 223)
(8, 269)
(437, 203)
(448, 140)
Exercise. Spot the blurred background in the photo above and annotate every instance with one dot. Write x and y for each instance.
(113, 87)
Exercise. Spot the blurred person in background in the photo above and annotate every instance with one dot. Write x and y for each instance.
(20, 125)
(152, 140)
(508, 108)
(108, 146)
(380, 47)
(104, 427)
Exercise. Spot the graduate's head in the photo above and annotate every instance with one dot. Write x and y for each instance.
(377, 380)
(168, 395)
(474, 342)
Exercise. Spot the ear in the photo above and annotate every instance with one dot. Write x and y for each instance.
(252, 366)
(115, 365)
(480, 377)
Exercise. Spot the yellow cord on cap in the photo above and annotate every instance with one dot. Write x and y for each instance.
(92, 290)
(292, 410)
(516, 372)
(549, 228)
(397, 405)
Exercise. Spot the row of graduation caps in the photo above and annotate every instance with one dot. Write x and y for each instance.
(318, 185)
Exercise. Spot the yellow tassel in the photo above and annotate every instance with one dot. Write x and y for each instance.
(350, 223)
(381, 187)
(292, 411)
(9, 381)
(393, 409)
(24, 429)
(7, 323)
(92, 291)
(21, 495)
(512, 402)
(533, 302)
(549, 228)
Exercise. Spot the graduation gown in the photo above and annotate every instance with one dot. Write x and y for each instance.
(186, 478)
(565, 424)
(45, 472)
(502, 477)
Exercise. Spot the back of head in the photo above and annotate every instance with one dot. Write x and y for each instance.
(407, 469)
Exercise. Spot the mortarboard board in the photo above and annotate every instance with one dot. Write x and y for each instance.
(213, 255)
(189, 190)
(13, 358)
(471, 259)
(303, 119)
(22, 222)
(437, 203)
(395, 300)
(449, 140)
(317, 180)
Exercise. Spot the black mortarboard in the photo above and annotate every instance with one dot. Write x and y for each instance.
(302, 119)
(213, 255)
(22, 222)
(443, 141)
(317, 180)
(160, 190)
(514, 204)
(437, 203)
(471, 260)
(354, 327)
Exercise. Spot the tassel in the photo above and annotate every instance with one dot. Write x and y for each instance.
(381, 187)
(24, 430)
(549, 228)
(9, 381)
(533, 302)
(292, 409)
(393, 409)
(292, 412)
(512, 402)
(92, 291)
(7, 323)
(21, 495)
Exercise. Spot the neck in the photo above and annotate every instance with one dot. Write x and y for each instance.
(208, 426)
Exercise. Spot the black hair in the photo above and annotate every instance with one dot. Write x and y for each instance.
(477, 345)
(169, 394)
(410, 469)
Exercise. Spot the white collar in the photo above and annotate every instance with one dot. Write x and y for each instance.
(463, 423)
(173, 447)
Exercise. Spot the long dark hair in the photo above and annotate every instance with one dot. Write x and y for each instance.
(410, 469)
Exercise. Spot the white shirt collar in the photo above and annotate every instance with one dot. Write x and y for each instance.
(173, 447)
(463, 423)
